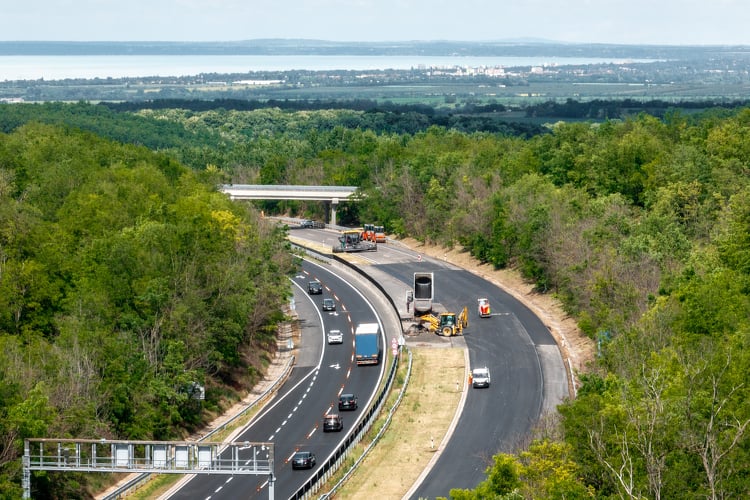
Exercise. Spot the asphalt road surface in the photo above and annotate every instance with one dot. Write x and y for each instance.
(293, 421)
(528, 376)
(527, 370)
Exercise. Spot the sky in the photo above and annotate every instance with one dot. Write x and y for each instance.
(672, 22)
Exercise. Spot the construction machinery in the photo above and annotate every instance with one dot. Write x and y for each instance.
(380, 234)
(368, 232)
(483, 307)
(431, 315)
(423, 293)
(352, 241)
(446, 324)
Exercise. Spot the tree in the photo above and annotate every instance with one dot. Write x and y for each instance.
(545, 470)
(503, 481)
(716, 416)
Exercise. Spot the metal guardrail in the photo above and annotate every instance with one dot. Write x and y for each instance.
(321, 257)
(336, 460)
(330, 257)
(379, 435)
(265, 394)
(142, 478)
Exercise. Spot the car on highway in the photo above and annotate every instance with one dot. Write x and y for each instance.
(332, 423)
(307, 224)
(335, 337)
(303, 460)
(329, 304)
(483, 307)
(480, 377)
(347, 402)
(314, 287)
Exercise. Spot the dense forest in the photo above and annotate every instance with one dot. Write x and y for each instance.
(125, 279)
(639, 226)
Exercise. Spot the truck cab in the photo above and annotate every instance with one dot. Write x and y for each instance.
(368, 232)
(379, 234)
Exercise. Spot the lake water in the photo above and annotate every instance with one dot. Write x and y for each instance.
(88, 67)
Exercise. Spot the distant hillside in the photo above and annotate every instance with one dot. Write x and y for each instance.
(322, 47)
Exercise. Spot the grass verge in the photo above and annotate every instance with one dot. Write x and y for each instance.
(414, 436)
(417, 428)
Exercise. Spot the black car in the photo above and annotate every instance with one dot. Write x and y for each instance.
(314, 288)
(332, 423)
(347, 402)
(329, 305)
(303, 460)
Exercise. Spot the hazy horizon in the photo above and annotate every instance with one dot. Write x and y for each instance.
(629, 22)
(527, 40)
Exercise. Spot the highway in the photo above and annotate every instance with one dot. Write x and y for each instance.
(293, 420)
(528, 374)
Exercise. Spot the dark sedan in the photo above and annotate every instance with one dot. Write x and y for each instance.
(347, 402)
(332, 423)
(303, 460)
(314, 288)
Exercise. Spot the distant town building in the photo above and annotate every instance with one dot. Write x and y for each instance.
(258, 82)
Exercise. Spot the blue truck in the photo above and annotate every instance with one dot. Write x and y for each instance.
(367, 344)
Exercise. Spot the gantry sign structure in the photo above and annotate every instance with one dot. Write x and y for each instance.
(160, 457)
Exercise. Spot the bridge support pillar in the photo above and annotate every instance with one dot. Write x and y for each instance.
(334, 204)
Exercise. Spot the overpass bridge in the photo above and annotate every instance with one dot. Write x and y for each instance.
(330, 194)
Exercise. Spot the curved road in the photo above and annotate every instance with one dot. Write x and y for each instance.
(294, 419)
(528, 374)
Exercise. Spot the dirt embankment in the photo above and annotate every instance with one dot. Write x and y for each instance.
(577, 349)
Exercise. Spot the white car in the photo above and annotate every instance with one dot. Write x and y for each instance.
(335, 337)
(480, 377)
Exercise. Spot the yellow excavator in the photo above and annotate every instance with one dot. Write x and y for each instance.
(447, 324)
